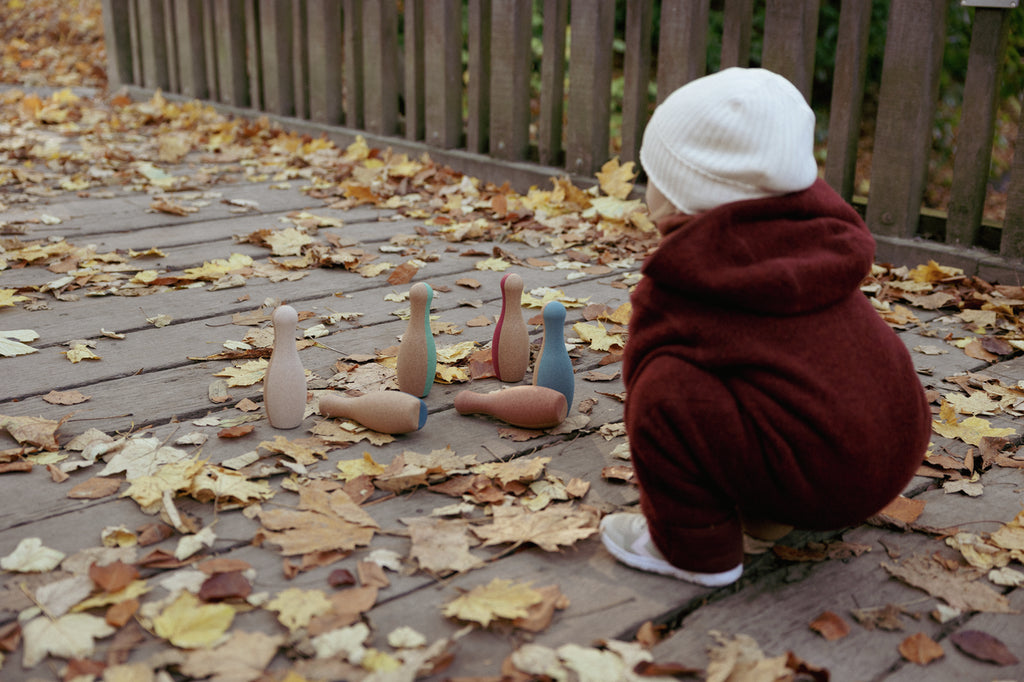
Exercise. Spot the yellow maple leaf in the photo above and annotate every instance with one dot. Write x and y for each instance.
(228, 487)
(597, 336)
(616, 180)
(324, 522)
(8, 297)
(353, 468)
(933, 272)
(970, 430)
(455, 352)
(302, 453)
(497, 599)
(296, 607)
(541, 296)
(1011, 535)
(495, 264)
(549, 528)
(69, 636)
(287, 242)
(190, 624)
(515, 471)
(80, 352)
(620, 315)
(246, 374)
(148, 490)
(219, 267)
(446, 374)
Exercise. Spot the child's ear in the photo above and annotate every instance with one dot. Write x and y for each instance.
(658, 205)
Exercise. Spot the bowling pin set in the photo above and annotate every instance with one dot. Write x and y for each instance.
(544, 404)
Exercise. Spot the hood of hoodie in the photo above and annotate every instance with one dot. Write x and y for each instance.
(784, 255)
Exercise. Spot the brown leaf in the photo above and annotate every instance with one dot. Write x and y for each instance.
(17, 467)
(223, 565)
(65, 397)
(403, 274)
(468, 282)
(113, 577)
(10, 636)
(539, 615)
(95, 488)
(830, 626)
(120, 613)
(479, 321)
(223, 586)
(236, 431)
(901, 512)
(341, 577)
(56, 475)
(618, 472)
(955, 588)
(975, 350)
(884, 618)
(921, 649)
(152, 533)
(984, 647)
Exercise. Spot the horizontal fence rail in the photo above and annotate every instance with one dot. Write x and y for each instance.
(469, 75)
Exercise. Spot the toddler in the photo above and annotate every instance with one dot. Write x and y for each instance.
(763, 389)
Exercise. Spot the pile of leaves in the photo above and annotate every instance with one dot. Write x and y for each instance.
(53, 43)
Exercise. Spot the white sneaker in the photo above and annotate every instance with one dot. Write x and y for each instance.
(628, 539)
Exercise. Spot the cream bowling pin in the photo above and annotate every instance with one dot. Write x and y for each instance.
(284, 385)
(510, 345)
(531, 407)
(553, 368)
(417, 355)
(384, 411)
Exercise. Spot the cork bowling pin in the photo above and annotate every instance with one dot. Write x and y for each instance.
(417, 355)
(510, 345)
(284, 385)
(384, 411)
(554, 368)
(531, 407)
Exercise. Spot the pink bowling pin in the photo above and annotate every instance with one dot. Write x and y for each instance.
(284, 385)
(531, 407)
(383, 411)
(510, 345)
(417, 355)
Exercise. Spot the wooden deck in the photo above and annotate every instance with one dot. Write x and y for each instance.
(150, 384)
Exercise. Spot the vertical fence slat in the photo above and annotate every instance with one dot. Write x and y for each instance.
(210, 40)
(380, 67)
(552, 82)
(300, 60)
(478, 89)
(152, 44)
(906, 110)
(737, 25)
(352, 30)
(135, 38)
(682, 44)
(253, 63)
(590, 81)
(324, 49)
(118, 39)
(1012, 241)
(276, 57)
(790, 36)
(416, 69)
(636, 75)
(443, 78)
(510, 94)
(977, 125)
(229, 22)
(191, 43)
(847, 96)
(171, 42)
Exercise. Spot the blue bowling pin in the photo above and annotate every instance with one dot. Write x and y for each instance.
(554, 368)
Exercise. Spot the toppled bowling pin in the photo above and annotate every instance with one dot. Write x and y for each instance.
(554, 368)
(284, 385)
(531, 407)
(510, 345)
(417, 355)
(384, 411)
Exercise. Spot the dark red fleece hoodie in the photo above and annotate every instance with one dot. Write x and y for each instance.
(760, 380)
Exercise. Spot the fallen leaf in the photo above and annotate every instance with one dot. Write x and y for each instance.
(296, 607)
(242, 658)
(70, 636)
(189, 624)
(955, 589)
(550, 528)
(12, 343)
(983, 647)
(32, 430)
(830, 626)
(921, 649)
(95, 488)
(440, 545)
(65, 397)
(498, 599)
(30, 556)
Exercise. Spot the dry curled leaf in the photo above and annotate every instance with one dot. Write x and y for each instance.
(984, 647)
(921, 649)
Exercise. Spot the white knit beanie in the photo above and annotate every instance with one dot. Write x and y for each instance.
(736, 134)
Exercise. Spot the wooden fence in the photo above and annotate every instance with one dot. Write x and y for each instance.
(462, 75)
